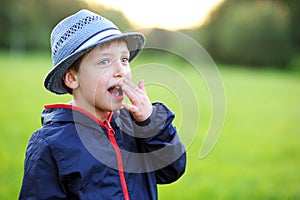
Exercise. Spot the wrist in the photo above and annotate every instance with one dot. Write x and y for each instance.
(143, 120)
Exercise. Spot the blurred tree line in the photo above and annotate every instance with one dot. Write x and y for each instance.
(26, 25)
(256, 33)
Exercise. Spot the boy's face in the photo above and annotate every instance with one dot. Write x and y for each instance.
(99, 76)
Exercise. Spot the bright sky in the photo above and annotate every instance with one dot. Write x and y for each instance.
(170, 14)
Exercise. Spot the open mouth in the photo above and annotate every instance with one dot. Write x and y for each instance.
(116, 92)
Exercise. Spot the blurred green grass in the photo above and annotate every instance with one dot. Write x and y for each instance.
(256, 157)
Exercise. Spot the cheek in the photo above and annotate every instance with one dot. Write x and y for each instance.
(93, 83)
(128, 74)
(101, 83)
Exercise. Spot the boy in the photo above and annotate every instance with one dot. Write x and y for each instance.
(98, 146)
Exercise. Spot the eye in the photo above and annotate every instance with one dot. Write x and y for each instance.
(125, 60)
(104, 62)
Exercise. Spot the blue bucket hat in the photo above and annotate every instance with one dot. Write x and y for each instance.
(76, 35)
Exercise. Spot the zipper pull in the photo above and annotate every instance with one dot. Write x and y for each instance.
(108, 128)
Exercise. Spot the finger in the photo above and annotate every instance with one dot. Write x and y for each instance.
(131, 91)
(141, 85)
(138, 89)
(129, 107)
(130, 85)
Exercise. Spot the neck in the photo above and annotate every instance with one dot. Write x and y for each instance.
(99, 114)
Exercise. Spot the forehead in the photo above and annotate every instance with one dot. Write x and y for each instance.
(117, 43)
(113, 47)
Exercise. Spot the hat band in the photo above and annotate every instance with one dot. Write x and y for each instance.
(98, 37)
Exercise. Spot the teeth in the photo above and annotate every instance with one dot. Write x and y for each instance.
(117, 87)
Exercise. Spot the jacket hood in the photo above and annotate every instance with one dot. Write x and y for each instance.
(68, 113)
(52, 115)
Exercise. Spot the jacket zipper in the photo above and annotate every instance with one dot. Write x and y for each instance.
(111, 136)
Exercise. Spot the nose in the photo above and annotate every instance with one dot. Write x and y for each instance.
(119, 69)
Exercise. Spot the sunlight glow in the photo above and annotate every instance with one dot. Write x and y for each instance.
(164, 13)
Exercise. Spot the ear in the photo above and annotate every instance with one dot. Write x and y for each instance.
(71, 79)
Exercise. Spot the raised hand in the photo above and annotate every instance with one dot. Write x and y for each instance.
(140, 107)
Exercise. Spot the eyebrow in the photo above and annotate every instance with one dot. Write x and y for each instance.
(110, 54)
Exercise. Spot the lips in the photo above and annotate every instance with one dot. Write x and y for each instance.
(116, 92)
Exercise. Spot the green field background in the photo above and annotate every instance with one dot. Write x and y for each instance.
(256, 157)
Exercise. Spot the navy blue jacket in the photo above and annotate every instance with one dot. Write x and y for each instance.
(76, 156)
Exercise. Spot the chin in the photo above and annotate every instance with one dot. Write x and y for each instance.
(115, 107)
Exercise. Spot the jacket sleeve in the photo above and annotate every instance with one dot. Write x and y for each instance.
(160, 139)
(40, 179)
